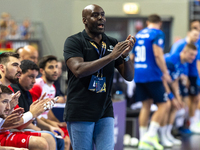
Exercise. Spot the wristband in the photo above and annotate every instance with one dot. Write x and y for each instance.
(126, 58)
(27, 117)
(1, 123)
(171, 96)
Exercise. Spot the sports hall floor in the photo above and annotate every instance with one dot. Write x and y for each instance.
(190, 142)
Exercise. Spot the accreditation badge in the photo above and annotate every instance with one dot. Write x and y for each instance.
(92, 85)
(100, 84)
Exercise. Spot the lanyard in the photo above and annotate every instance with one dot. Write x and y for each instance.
(103, 50)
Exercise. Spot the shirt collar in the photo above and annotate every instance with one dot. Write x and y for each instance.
(90, 39)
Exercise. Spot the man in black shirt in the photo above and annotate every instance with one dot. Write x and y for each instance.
(91, 57)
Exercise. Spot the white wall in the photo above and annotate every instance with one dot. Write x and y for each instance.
(62, 18)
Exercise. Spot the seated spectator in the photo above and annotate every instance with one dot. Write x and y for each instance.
(28, 140)
(29, 72)
(10, 72)
(49, 70)
(25, 29)
(13, 32)
(30, 53)
(62, 97)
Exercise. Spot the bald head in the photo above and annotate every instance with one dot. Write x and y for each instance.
(93, 17)
(29, 53)
(88, 9)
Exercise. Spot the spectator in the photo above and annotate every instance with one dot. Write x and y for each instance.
(49, 70)
(30, 53)
(28, 140)
(29, 72)
(10, 72)
(62, 97)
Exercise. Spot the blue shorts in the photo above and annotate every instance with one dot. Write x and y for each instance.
(193, 89)
(183, 90)
(151, 90)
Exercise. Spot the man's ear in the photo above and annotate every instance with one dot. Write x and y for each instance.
(41, 71)
(2, 67)
(84, 20)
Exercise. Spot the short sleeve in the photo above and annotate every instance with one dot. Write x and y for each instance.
(72, 48)
(177, 47)
(198, 54)
(160, 40)
(36, 92)
(171, 70)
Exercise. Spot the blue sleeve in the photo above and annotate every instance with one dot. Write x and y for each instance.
(177, 47)
(160, 40)
(171, 70)
(198, 54)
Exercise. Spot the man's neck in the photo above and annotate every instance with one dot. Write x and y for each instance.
(49, 83)
(188, 40)
(182, 58)
(96, 37)
(20, 85)
(4, 81)
(154, 26)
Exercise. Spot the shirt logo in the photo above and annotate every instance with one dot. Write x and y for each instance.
(23, 140)
(141, 42)
(110, 48)
(165, 96)
(160, 41)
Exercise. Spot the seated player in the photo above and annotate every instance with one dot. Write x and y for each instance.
(49, 70)
(26, 81)
(28, 140)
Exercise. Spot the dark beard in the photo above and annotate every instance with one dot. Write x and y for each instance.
(12, 80)
(48, 77)
(2, 116)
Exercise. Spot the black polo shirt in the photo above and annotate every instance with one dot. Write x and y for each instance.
(25, 99)
(82, 104)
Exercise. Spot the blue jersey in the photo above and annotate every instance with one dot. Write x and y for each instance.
(198, 78)
(178, 47)
(174, 65)
(146, 69)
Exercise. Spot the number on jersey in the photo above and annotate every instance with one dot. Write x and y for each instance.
(140, 54)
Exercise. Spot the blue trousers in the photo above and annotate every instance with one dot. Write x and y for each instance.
(84, 135)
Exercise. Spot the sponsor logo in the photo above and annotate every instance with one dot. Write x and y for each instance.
(140, 42)
(23, 140)
(143, 36)
(160, 41)
(141, 66)
(165, 98)
(110, 48)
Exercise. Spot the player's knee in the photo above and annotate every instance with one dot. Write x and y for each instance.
(49, 137)
(169, 105)
(43, 144)
(146, 104)
(195, 99)
(67, 141)
(38, 143)
(165, 106)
